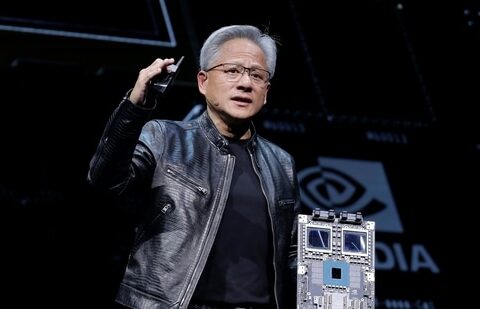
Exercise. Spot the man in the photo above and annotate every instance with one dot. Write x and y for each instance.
(218, 226)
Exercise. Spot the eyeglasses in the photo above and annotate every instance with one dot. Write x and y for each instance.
(234, 72)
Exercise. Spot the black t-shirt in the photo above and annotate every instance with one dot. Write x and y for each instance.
(239, 269)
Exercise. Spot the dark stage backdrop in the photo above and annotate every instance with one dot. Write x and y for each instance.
(374, 99)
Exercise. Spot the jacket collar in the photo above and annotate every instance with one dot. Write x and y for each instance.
(218, 139)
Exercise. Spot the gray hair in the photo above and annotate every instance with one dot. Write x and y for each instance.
(211, 46)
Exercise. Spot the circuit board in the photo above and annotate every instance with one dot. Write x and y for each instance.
(336, 255)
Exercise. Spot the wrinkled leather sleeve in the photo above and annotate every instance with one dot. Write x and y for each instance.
(110, 167)
(293, 250)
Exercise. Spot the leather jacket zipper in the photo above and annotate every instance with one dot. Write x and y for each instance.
(187, 181)
(211, 231)
(255, 168)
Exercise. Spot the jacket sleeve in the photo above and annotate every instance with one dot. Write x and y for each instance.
(111, 165)
(292, 255)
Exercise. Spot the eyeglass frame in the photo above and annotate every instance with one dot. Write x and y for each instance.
(260, 82)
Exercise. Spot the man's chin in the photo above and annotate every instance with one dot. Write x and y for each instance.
(241, 116)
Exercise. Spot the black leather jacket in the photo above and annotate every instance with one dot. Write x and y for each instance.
(188, 171)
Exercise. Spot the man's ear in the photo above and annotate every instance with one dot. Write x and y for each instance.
(201, 80)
